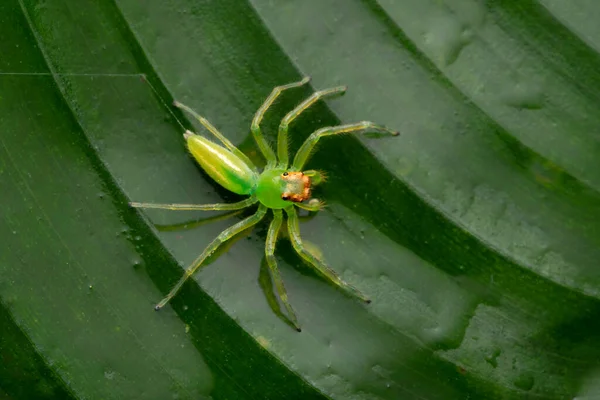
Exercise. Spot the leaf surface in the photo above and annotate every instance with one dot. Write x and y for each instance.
(475, 232)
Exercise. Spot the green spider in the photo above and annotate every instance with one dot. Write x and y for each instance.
(278, 187)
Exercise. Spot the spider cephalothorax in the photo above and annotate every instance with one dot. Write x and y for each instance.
(275, 188)
(297, 187)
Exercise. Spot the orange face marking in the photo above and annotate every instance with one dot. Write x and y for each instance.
(297, 188)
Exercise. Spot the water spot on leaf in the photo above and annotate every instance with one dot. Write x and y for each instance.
(524, 381)
(492, 358)
(109, 374)
(447, 37)
(524, 95)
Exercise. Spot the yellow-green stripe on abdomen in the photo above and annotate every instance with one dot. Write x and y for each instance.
(223, 166)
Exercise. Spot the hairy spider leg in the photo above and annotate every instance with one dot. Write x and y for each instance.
(272, 263)
(313, 205)
(294, 233)
(199, 207)
(211, 248)
(258, 136)
(282, 136)
(210, 127)
(316, 177)
(307, 147)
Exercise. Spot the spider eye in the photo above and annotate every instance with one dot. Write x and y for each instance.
(284, 197)
(285, 174)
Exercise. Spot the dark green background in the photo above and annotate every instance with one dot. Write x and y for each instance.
(476, 232)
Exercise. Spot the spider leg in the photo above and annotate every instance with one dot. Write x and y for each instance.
(316, 177)
(205, 123)
(313, 205)
(258, 136)
(294, 232)
(307, 147)
(270, 255)
(197, 222)
(201, 207)
(282, 136)
(214, 245)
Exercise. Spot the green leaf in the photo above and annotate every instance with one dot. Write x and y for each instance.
(476, 232)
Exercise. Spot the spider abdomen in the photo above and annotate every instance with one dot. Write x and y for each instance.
(227, 169)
